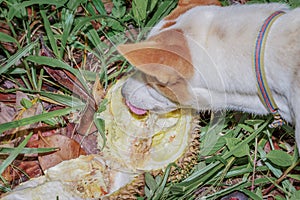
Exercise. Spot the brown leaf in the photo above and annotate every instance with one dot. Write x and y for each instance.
(86, 125)
(21, 113)
(8, 98)
(35, 139)
(89, 143)
(98, 91)
(6, 113)
(35, 109)
(21, 171)
(69, 149)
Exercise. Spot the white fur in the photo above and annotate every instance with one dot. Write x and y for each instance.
(221, 42)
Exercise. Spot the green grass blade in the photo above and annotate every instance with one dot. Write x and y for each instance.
(90, 9)
(14, 154)
(163, 9)
(49, 33)
(73, 5)
(4, 189)
(225, 191)
(33, 77)
(82, 21)
(42, 60)
(158, 193)
(7, 150)
(40, 81)
(57, 3)
(100, 124)
(150, 183)
(12, 12)
(94, 38)
(7, 38)
(67, 22)
(17, 71)
(248, 139)
(139, 10)
(37, 118)
(18, 8)
(202, 176)
(70, 101)
(100, 7)
(17, 56)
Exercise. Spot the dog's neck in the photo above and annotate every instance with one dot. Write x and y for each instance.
(226, 78)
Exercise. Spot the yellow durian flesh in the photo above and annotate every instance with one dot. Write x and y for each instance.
(144, 143)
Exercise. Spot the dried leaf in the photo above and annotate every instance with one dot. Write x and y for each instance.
(98, 91)
(8, 98)
(69, 149)
(6, 113)
(86, 125)
(88, 143)
(20, 171)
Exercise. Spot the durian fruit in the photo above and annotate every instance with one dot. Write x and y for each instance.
(149, 142)
(135, 145)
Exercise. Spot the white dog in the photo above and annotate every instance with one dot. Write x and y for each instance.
(204, 57)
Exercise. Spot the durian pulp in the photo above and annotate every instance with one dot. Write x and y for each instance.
(148, 142)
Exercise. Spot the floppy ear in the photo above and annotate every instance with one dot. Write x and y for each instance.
(165, 57)
(151, 60)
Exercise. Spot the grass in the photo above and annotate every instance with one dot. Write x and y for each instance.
(247, 156)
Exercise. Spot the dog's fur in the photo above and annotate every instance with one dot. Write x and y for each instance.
(201, 57)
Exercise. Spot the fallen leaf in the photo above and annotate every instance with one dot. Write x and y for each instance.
(89, 143)
(21, 171)
(86, 125)
(69, 149)
(98, 91)
(6, 113)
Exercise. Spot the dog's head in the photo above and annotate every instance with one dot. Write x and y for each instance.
(164, 66)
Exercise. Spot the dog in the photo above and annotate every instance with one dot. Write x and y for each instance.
(201, 57)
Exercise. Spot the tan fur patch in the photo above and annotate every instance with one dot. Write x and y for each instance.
(185, 5)
(168, 24)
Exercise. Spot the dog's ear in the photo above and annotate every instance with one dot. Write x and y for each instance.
(152, 60)
(165, 56)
